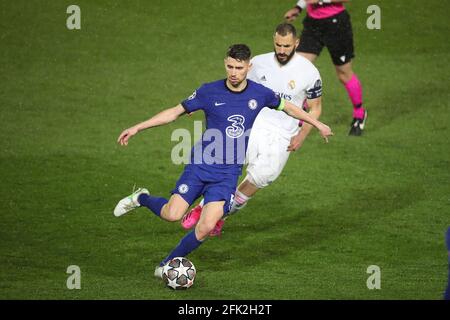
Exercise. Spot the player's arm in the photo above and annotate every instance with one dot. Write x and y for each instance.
(159, 119)
(301, 114)
(293, 13)
(315, 107)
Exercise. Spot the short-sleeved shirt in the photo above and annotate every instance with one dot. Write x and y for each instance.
(295, 81)
(229, 118)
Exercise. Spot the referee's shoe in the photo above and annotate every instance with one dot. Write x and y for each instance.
(357, 126)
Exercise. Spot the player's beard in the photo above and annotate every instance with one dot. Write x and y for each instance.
(289, 57)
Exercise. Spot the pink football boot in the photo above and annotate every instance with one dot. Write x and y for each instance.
(191, 218)
(217, 231)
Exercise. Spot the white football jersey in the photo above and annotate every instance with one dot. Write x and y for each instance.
(296, 81)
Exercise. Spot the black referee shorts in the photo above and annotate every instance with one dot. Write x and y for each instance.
(334, 32)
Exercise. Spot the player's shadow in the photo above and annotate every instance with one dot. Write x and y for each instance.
(277, 233)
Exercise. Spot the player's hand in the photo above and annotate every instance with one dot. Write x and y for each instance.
(126, 135)
(296, 143)
(312, 1)
(292, 14)
(325, 132)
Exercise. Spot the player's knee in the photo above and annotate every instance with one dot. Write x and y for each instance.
(260, 180)
(172, 213)
(343, 78)
(344, 75)
(203, 228)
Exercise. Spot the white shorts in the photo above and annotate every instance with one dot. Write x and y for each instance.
(266, 155)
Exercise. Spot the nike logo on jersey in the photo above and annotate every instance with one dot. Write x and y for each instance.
(263, 78)
(219, 103)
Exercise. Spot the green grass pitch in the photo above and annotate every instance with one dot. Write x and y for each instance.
(65, 95)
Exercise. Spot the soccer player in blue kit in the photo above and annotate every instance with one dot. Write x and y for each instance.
(230, 106)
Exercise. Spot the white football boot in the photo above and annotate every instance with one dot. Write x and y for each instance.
(129, 203)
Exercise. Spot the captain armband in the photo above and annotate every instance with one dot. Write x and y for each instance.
(281, 105)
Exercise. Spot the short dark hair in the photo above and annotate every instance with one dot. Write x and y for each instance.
(240, 52)
(283, 29)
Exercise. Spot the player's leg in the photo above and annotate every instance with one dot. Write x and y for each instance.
(267, 157)
(169, 210)
(353, 86)
(242, 195)
(310, 56)
(261, 172)
(187, 244)
(223, 190)
(187, 189)
(246, 190)
(310, 40)
(354, 89)
(339, 41)
(218, 197)
(193, 216)
(212, 212)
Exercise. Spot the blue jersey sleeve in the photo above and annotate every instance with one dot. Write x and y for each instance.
(196, 101)
(273, 100)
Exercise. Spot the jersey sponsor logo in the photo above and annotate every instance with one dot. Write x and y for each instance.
(284, 96)
(193, 95)
(236, 129)
(291, 84)
(219, 103)
(183, 188)
(253, 104)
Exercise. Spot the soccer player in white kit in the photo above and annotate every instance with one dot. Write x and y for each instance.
(274, 135)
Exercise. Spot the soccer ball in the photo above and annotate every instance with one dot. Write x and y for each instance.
(179, 273)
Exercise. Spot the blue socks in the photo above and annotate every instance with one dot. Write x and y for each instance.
(188, 244)
(153, 203)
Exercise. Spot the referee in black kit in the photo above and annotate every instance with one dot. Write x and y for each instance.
(327, 24)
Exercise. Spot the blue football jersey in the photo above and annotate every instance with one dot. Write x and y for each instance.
(229, 118)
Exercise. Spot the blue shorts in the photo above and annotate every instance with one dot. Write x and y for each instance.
(196, 181)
